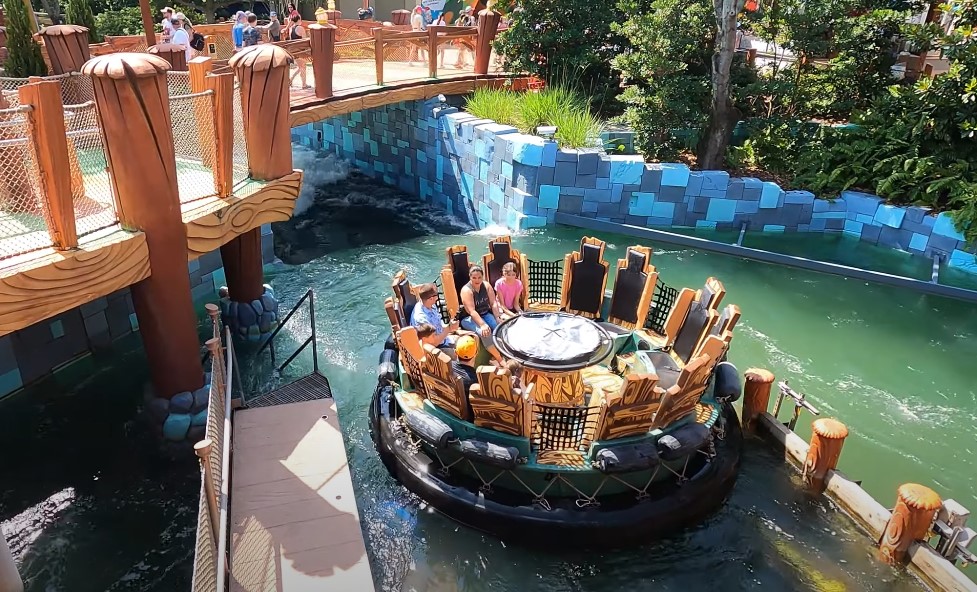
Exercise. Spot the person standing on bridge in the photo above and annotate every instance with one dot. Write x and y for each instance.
(274, 28)
(251, 35)
(237, 32)
(295, 32)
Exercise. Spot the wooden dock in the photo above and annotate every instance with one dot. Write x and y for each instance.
(294, 523)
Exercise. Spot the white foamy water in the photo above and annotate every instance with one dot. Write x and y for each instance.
(319, 169)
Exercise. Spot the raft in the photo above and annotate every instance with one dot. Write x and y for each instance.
(619, 430)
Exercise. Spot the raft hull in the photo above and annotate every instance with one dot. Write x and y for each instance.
(652, 518)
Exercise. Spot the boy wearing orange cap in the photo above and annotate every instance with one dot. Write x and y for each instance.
(466, 348)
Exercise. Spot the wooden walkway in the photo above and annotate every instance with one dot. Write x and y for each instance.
(294, 522)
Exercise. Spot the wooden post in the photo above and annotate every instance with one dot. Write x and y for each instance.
(400, 17)
(9, 577)
(827, 438)
(756, 396)
(148, 26)
(67, 47)
(263, 72)
(134, 115)
(378, 53)
(199, 68)
(488, 27)
(323, 41)
(223, 87)
(432, 50)
(47, 131)
(176, 55)
(916, 506)
(202, 450)
(213, 311)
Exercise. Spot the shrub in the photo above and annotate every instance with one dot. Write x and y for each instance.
(124, 21)
(564, 108)
(23, 53)
(80, 13)
(498, 105)
(536, 109)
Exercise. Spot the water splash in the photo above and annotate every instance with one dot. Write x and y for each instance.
(320, 169)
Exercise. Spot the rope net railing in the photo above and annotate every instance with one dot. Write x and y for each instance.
(661, 304)
(76, 89)
(8, 91)
(23, 227)
(545, 282)
(240, 167)
(91, 187)
(178, 83)
(194, 142)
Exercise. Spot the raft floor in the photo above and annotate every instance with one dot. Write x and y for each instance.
(294, 522)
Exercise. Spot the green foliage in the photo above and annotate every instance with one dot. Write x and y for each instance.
(124, 21)
(775, 145)
(566, 43)
(80, 13)
(24, 54)
(566, 109)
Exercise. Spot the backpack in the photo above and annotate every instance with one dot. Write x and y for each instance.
(197, 41)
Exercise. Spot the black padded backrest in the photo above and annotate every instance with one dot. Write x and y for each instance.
(628, 286)
(587, 281)
(691, 331)
(406, 298)
(501, 254)
(459, 270)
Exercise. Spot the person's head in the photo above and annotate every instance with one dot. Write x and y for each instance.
(515, 370)
(167, 13)
(476, 275)
(509, 270)
(467, 10)
(466, 348)
(239, 16)
(291, 7)
(296, 19)
(252, 19)
(427, 333)
(179, 18)
(427, 294)
(273, 16)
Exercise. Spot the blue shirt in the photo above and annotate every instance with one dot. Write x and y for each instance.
(250, 36)
(237, 34)
(422, 314)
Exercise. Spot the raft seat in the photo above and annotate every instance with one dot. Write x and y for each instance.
(497, 405)
(689, 324)
(454, 276)
(411, 356)
(404, 298)
(585, 279)
(444, 389)
(631, 410)
(500, 253)
(680, 399)
(634, 287)
(561, 434)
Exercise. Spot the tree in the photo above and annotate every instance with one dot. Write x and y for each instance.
(80, 13)
(722, 114)
(23, 53)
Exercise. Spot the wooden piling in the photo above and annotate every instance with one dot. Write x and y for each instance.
(916, 507)
(176, 55)
(67, 47)
(827, 438)
(756, 396)
(322, 38)
(488, 28)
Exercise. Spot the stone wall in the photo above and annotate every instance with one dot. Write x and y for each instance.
(46, 347)
(488, 173)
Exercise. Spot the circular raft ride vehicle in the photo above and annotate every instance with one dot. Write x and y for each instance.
(620, 431)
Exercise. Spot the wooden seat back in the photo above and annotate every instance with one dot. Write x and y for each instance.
(712, 293)
(727, 320)
(404, 297)
(680, 400)
(392, 314)
(715, 346)
(630, 411)
(454, 276)
(498, 406)
(500, 253)
(634, 287)
(585, 279)
(411, 356)
(443, 387)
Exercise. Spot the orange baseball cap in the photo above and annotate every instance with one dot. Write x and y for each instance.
(466, 347)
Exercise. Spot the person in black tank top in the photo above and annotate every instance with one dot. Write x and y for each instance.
(297, 31)
(479, 309)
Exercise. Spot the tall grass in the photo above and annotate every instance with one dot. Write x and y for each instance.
(558, 105)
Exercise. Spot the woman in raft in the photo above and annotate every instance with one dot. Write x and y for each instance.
(479, 309)
(509, 290)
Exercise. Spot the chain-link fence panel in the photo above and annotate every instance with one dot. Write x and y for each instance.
(192, 118)
(91, 188)
(241, 169)
(178, 83)
(8, 92)
(23, 227)
(77, 89)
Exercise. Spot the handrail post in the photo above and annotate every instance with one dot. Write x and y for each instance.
(213, 311)
(488, 28)
(323, 41)
(223, 87)
(432, 50)
(50, 142)
(202, 449)
(315, 349)
(378, 44)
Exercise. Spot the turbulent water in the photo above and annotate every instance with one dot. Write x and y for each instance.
(91, 507)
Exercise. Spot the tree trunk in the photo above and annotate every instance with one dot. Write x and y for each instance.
(722, 116)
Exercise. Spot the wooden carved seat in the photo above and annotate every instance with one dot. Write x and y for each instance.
(562, 434)
(498, 406)
(634, 287)
(411, 356)
(727, 320)
(454, 276)
(585, 278)
(404, 297)
(630, 411)
(442, 386)
(681, 398)
(500, 253)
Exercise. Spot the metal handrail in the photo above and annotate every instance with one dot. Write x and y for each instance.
(270, 342)
(800, 402)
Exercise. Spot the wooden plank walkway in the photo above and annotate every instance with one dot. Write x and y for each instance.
(294, 522)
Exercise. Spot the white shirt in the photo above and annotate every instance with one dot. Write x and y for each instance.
(182, 38)
(167, 28)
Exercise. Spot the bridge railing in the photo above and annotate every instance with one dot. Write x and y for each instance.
(214, 452)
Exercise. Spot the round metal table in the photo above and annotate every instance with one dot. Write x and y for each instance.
(553, 347)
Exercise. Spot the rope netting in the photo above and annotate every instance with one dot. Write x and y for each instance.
(240, 166)
(178, 83)
(194, 141)
(76, 89)
(8, 92)
(661, 305)
(545, 282)
(219, 47)
(91, 188)
(22, 219)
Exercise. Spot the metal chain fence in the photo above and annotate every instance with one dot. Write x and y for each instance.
(91, 188)
(192, 118)
(241, 169)
(23, 227)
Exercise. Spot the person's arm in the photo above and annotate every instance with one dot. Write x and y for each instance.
(468, 300)
(517, 305)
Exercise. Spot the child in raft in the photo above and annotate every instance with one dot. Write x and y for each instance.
(509, 289)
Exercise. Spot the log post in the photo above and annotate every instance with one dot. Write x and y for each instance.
(323, 41)
(67, 47)
(214, 313)
(916, 506)
(488, 27)
(148, 24)
(47, 132)
(202, 450)
(134, 115)
(378, 34)
(827, 438)
(432, 50)
(756, 396)
(9, 577)
(176, 55)
(400, 17)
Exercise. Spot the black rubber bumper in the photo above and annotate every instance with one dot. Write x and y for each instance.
(652, 518)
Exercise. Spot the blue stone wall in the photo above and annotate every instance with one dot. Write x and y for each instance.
(488, 173)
